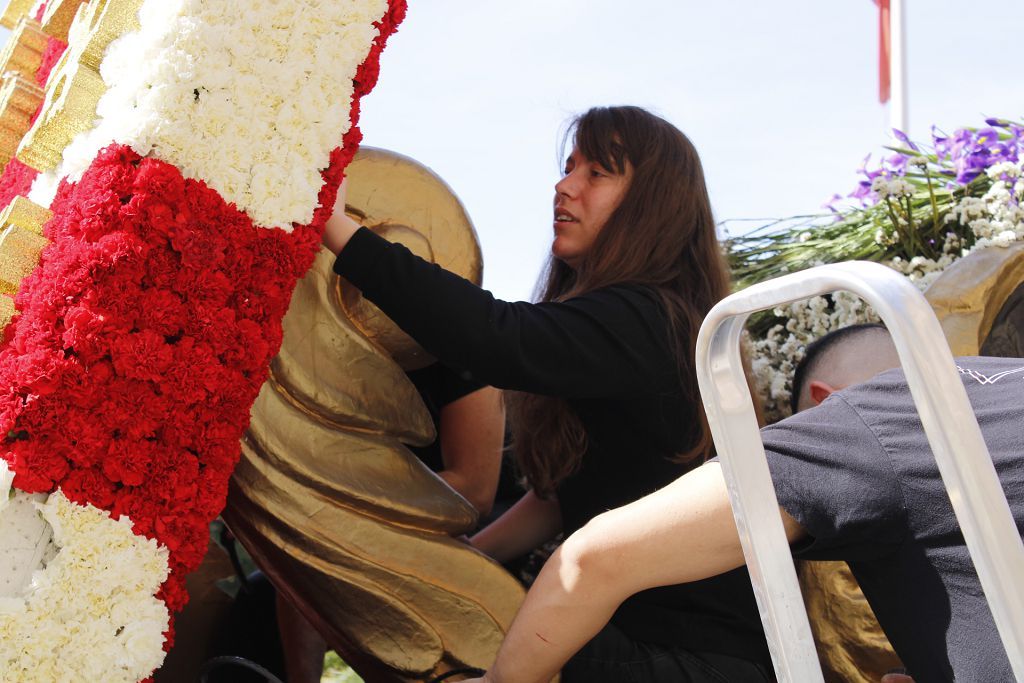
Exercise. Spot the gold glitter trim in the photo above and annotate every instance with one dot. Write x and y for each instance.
(23, 51)
(26, 214)
(7, 312)
(19, 99)
(58, 17)
(72, 94)
(98, 23)
(15, 11)
(19, 255)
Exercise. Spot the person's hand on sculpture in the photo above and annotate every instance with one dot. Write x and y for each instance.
(339, 227)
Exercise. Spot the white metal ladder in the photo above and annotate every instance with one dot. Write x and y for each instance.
(963, 459)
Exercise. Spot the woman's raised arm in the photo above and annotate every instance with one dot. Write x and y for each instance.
(611, 341)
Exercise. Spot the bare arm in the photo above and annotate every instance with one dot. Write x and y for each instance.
(472, 433)
(684, 532)
(527, 524)
(339, 227)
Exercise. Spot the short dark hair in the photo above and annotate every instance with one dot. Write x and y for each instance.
(818, 350)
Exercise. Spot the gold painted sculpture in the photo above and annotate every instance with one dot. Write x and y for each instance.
(851, 645)
(970, 295)
(347, 523)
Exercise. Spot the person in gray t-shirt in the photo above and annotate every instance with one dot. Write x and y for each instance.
(858, 475)
(856, 481)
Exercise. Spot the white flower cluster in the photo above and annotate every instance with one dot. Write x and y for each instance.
(895, 187)
(250, 99)
(923, 271)
(996, 219)
(91, 613)
(775, 357)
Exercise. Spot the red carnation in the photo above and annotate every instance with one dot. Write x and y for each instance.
(141, 355)
(88, 485)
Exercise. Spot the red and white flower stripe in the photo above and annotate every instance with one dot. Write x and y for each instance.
(145, 333)
(251, 102)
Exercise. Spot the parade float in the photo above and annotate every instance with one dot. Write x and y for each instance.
(167, 167)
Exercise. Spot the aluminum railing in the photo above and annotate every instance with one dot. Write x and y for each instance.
(952, 430)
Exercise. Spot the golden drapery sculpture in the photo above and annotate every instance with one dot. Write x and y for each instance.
(971, 296)
(347, 523)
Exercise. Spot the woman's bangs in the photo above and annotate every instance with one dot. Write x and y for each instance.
(598, 140)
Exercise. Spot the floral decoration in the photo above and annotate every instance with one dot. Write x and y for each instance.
(145, 333)
(102, 582)
(143, 339)
(178, 85)
(16, 180)
(920, 210)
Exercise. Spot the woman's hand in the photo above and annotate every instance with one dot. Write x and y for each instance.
(339, 227)
(523, 527)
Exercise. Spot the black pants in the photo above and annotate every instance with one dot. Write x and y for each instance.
(612, 657)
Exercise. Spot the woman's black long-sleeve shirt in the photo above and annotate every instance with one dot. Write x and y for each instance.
(608, 353)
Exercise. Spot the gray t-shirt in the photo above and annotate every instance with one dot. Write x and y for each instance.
(859, 476)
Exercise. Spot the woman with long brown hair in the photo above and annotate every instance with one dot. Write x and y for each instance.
(603, 394)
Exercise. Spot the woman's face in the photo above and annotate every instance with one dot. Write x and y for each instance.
(585, 198)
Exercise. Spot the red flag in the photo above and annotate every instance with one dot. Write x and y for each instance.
(884, 51)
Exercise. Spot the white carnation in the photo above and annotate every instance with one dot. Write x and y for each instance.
(252, 102)
(91, 613)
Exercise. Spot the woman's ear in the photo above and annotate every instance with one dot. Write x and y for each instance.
(819, 391)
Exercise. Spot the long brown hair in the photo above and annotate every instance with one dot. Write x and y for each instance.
(661, 235)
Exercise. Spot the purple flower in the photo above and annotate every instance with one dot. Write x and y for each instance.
(962, 137)
(897, 164)
(902, 137)
(987, 136)
(970, 166)
(862, 191)
(959, 158)
(1003, 152)
(940, 143)
(831, 204)
(863, 168)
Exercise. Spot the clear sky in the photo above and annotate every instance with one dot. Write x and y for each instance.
(780, 98)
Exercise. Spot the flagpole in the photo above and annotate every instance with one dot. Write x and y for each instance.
(898, 115)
